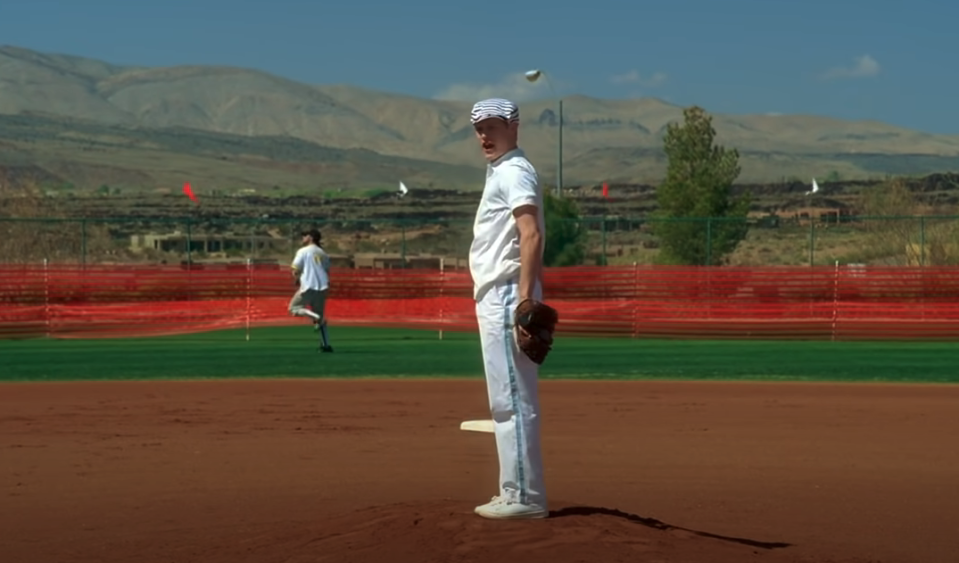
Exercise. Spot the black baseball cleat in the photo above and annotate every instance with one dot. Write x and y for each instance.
(326, 348)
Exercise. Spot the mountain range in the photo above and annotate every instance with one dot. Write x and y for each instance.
(85, 122)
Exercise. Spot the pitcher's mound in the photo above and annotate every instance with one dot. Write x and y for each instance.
(445, 531)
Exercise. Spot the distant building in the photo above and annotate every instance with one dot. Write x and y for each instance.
(210, 244)
(396, 260)
(830, 211)
(225, 248)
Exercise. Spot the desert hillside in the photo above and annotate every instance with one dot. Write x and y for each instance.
(616, 140)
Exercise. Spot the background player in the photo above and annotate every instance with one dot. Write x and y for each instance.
(505, 263)
(311, 270)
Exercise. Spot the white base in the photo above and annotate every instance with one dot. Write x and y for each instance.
(477, 426)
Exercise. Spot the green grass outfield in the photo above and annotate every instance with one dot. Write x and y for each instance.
(361, 352)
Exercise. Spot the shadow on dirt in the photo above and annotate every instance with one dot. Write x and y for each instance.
(658, 525)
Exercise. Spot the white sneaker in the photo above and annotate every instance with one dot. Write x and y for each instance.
(509, 508)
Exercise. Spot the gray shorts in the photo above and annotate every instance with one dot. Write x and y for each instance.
(314, 298)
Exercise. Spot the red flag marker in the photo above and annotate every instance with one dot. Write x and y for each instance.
(189, 192)
(605, 189)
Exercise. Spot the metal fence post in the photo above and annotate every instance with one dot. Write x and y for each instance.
(922, 240)
(603, 232)
(253, 244)
(812, 240)
(189, 240)
(442, 301)
(83, 242)
(46, 296)
(709, 241)
(835, 301)
(403, 244)
(249, 290)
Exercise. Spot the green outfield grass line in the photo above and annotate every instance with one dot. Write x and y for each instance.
(287, 352)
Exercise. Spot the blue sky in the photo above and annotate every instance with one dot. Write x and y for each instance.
(854, 59)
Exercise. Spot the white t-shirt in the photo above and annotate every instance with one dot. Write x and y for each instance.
(314, 266)
(511, 182)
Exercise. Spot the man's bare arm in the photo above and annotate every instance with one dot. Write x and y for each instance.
(530, 247)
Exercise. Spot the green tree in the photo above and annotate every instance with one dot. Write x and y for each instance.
(565, 232)
(698, 185)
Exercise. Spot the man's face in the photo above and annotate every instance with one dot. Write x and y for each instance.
(496, 137)
(307, 239)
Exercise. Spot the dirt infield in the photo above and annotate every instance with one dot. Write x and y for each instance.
(372, 471)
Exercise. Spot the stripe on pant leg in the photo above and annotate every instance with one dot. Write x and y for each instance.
(509, 305)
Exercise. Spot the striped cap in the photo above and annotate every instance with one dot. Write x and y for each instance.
(494, 107)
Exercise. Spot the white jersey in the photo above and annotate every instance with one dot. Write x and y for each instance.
(511, 182)
(314, 265)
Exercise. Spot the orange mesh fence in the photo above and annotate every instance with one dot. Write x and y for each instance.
(631, 301)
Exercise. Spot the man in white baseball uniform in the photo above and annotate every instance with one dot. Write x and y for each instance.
(311, 270)
(505, 264)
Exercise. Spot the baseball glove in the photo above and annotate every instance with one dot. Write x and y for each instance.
(535, 323)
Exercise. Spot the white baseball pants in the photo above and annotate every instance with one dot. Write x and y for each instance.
(511, 381)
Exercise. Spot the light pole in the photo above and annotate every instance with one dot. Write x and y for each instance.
(533, 76)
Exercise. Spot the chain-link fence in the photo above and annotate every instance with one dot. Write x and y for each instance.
(425, 243)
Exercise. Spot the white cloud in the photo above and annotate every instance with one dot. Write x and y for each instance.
(634, 77)
(513, 87)
(865, 66)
